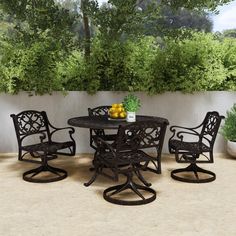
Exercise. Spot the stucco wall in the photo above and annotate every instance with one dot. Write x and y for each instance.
(178, 108)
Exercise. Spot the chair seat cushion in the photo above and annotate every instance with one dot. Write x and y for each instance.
(125, 158)
(47, 147)
(194, 147)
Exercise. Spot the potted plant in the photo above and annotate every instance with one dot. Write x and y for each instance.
(131, 104)
(229, 130)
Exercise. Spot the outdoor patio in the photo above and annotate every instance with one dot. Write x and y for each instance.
(150, 70)
(68, 208)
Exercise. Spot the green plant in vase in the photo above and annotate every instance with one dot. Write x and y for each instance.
(131, 104)
(228, 130)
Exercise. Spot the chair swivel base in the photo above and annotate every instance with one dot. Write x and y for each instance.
(33, 159)
(57, 174)
(195, 169)
(129, 184)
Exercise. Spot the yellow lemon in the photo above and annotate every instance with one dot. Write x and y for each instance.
(114, 105)
(120, 105)
(115, 115)
(111, 110)
(122, 115)
(119, 109)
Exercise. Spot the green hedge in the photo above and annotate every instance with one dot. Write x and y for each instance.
(199, 63)
(30, 68)
(195, 64)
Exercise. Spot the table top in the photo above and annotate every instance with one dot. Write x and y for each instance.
(102, 122)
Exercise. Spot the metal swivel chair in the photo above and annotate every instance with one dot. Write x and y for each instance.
(125, 157)
(35, 137)
(101, 111)
(195, 145)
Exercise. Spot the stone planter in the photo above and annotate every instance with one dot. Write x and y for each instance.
(231, 148)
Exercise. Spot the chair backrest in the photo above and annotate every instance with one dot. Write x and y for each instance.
(99, 111)
(30, 122)
(210, 127)
(141, 135)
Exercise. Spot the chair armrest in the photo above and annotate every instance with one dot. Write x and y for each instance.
(183, 130)
(42, 137)
(71, 130)
(63, 128)
(174, 127)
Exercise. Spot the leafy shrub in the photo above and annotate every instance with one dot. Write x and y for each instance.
(38, 69)
(10, 57)
(108, 60)
(198, 63)
(122, 65)
(139, 60)
(229, 128)
(229, 62)
(71, 71)
(31, 68)
(189, 65)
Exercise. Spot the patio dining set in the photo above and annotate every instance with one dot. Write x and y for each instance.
(120, 148)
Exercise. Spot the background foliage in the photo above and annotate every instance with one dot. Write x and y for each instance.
(134, 45)
(229, 128)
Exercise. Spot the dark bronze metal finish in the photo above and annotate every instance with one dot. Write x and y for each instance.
(125, 155)
(129, 184)
(33, 126)
(101, 111)
(195, 151)
(33, 175)
(193, 168)
(102, 122)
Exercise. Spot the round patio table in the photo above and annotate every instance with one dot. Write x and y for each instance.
(103, 122)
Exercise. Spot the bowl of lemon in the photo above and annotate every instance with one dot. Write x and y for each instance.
(117, 112)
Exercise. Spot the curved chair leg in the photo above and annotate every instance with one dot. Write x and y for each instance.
(129, 184)
(56, 174)
(156, 169)
(95, 168)
(196, 170)
(93, 178)
(140, 176)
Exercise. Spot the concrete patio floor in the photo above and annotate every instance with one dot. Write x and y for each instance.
(67, 208)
